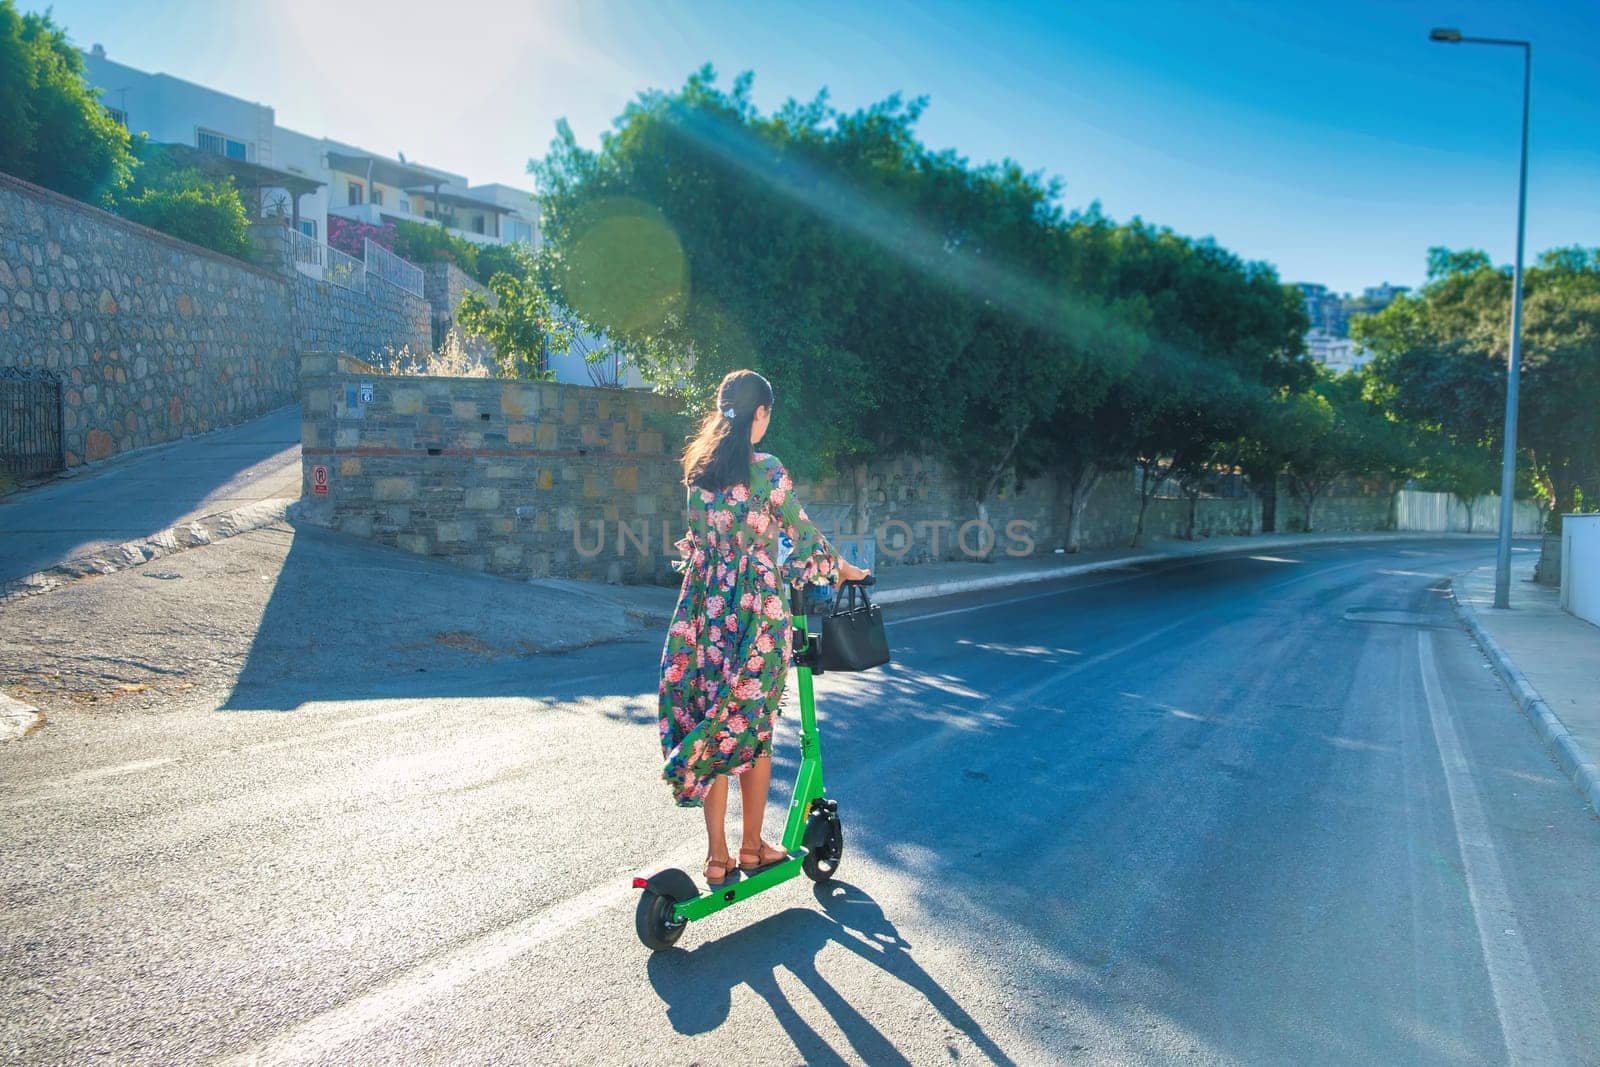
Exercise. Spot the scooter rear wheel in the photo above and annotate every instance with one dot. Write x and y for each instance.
(653, 921)
(822, 862)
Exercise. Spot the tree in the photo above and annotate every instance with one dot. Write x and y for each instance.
(867, 276)
(1440, 359)
(1335, 431)
(1222, 337)
(497, 259)
(523, 324)
(53, 129)
(1467, 472)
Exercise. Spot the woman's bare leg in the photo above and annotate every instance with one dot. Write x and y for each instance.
(716, 809)
(753, 787)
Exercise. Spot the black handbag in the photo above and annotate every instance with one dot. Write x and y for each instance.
(852, 634)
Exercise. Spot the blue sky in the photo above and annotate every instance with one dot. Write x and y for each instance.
(1329, 139)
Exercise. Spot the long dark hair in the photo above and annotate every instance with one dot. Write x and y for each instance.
(719, 453)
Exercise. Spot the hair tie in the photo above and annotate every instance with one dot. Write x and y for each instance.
(729, 413)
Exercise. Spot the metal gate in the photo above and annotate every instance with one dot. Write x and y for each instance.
(30, 422)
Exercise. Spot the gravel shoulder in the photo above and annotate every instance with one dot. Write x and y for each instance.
(277, 615)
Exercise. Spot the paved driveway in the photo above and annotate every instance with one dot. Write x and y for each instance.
(150, 490)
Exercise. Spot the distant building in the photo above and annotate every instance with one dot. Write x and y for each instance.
(1335, 353)
(319, 176)
(1328, 338)
(305, 179)
(1375, 298)
(1324, 308)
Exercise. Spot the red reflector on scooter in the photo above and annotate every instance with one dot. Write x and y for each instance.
(640, 883)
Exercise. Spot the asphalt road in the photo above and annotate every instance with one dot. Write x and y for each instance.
(1260, 809)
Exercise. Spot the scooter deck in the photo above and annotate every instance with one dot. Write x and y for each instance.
(731, 892)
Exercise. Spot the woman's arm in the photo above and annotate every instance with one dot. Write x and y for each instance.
(812, 560)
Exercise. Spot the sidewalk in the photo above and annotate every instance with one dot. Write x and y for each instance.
(1549, 659)
(145, 492)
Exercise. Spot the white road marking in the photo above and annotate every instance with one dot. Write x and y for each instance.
(57, 788)
(1524, 1019)
(119, 770)
(321, 1035)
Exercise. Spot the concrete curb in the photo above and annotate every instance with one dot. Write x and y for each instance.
(1046, 574)
(1574, 762)
(17, 720)
(202, 531)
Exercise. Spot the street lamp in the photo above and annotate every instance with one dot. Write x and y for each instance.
(1508, 463)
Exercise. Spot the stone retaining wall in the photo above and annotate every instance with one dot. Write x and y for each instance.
(328, 318)
(153, 338)
(525, 479)
(916, 509)
(534, 479)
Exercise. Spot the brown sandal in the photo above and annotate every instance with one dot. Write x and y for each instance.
(764, 855)
(724, 865)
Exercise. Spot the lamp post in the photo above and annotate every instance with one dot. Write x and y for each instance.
(1508, 463)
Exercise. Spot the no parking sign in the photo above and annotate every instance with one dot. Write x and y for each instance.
(319, 480)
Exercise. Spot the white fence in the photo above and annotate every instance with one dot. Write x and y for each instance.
(317, 260)
(1580, 566)
(1445, 513)
(391, 268)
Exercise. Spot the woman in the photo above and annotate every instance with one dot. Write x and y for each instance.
(723, 668)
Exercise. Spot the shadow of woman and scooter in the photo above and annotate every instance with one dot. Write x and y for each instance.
(697, 985)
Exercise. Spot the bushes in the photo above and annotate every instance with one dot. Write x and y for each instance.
(423, 244)
(195, 209)
(350, 237)
(55, 132)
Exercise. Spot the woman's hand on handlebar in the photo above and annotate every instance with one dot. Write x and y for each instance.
(848, 572)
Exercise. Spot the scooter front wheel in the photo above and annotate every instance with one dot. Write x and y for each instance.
(821, 862)
(654, 922)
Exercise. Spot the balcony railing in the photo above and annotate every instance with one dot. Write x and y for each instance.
(391, 268)
(316, 260)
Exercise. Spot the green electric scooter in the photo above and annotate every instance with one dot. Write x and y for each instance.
(813, 837)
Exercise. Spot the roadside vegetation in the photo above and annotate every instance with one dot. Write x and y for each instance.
(451, 359)
(902, 298)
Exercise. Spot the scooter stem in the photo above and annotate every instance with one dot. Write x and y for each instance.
(808, 782)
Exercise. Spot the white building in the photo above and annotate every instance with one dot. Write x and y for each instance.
(335, 177)
(1334, 352)
(306, 179)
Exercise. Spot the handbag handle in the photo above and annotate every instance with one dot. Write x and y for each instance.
(857, 588)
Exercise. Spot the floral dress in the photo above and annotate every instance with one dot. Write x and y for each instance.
(727, 653)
